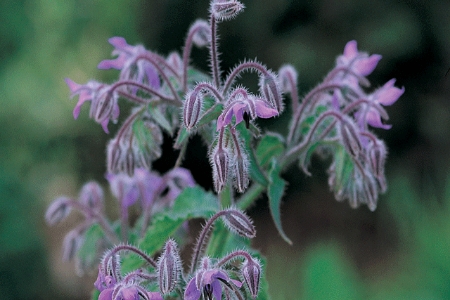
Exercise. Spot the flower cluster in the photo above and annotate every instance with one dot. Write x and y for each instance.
(169, 98)
(204, 279)
(149, 190)
(342, 113)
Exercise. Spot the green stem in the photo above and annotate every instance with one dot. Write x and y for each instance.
(250, 196)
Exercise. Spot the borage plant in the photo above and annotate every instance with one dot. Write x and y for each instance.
(168, 94)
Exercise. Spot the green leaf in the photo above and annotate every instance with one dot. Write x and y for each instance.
(182, 137)
(159, 118)
(88, 252)
(271, 145)
(275, 192)
(195, 76)
(210, 114)
(193, 202)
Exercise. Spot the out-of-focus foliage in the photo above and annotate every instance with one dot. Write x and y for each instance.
(400, 251)
(41, 146)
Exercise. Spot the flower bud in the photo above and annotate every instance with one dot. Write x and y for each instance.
(350, 138)
(240, 173)
(202, 33)
(58, 210)
(169, 267)
(192, 109)
(104, 105)
(377, 156)
(220, 161)
(91, 196)
(225, 10)
(288, 76)
(271, 91)
(238, 222)
(114, 154)
(72, 242)
(251, 271)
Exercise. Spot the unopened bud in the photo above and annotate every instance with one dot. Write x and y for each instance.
(91, 195)
(58, 210)
(240, 174)
(105, 105)
(71, 244)
(169, 267)
(174, 60)
(271, 91)
(251, 271)
(114, 154)
(371, 193)
(220, 161)
(225, 10)
(377, 155)
(288, 76)
(129, 163)
(350, 138)
(238, 222)
(202, 33)
(192, 109)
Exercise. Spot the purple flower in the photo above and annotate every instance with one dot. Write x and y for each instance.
(245, 108)
(104, 104)
(387, 95)
(103, 281)
(208, 283)
(129, 56)
(358, 62)
(123, 188)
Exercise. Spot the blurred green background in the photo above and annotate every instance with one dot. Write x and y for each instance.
(398, 252)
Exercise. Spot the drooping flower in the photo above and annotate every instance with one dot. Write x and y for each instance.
(245, 107)
(104, 103)
(359, 63)
(208, 283)
(127, 57)
(387, 95)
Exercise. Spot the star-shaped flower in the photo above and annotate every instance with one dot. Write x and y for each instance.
(387, 95)
(208, 283)
(245, 107)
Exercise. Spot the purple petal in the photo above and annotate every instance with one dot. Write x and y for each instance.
(117, 63)
(73, 86)
(191, 292)
(388, 94)
(118, 42)
(351, 50)
(104, 124)
(217, 289)
(130, 293)
(373, 119)
(264, 111)
(365, 66)
(154, 296)
(224, 119)
(106, 294)
(238, 110)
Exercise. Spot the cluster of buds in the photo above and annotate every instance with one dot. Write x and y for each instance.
(204, 279)
(150, 190)
(337, 114)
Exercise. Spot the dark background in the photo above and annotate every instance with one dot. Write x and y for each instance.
(398, 251)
